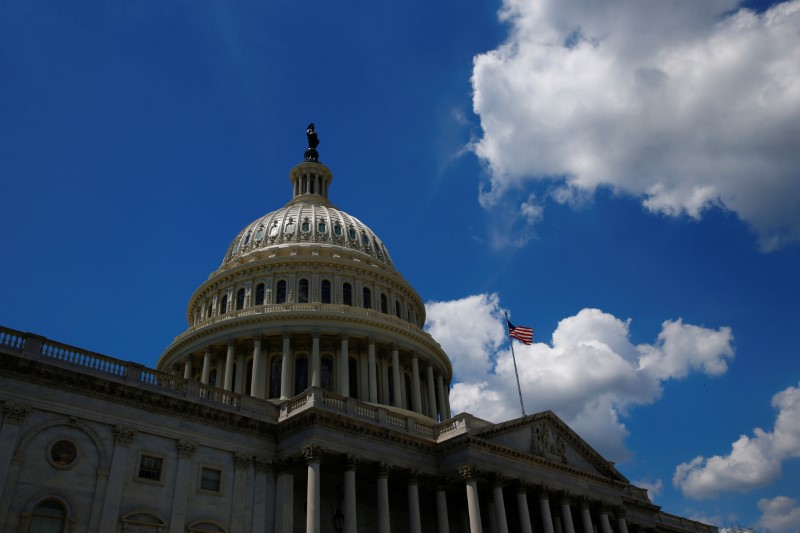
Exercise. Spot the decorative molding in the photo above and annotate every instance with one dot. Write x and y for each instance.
(384, 469)
(312, 454)
(547, 443)
(350, 461)
(186, 448)
(241, 461)
(15, 413)
(413, 476)
(498, 479)
(262, 464)
(123, 436)
(468, 473)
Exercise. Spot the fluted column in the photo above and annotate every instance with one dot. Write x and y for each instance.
(544, 505)
(372, 372)
(522, 506)
(499, 504)
(316, 367)
(229, 365)
(284, 497)
(566, 514)
(397, 401)
(469, 473)
(187, 366)
(313, 456)
(440, 395)
(441, 508)
(286, 367)
(350, 465)
(344, 368)
(622, 525)
(256, 386)
(605, 525)
(384, 523)
(431, 392)
(414, 518)
(416, 389)
(586, 516)
(206, 365)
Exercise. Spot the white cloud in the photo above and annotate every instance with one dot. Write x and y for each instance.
(654, 488)
(590, 374)
(753, 461)
(686, 105)
(779, 515)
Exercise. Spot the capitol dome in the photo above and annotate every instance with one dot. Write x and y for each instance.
(308, 296)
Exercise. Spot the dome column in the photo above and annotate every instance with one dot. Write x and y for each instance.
(344, 368)
(316, 370)
(206, 365)
(187, 366)
(229, 365)
(286, 367)
(257, 379)
(397, 401)
(416, 388)
(431, 393)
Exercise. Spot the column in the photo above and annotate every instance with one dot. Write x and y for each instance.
(605, 525)
(187, 366)
(499, 504)
(206, 365)
(385, 381)
(414, 523)
(372, 372)
(431, 393)
(116, 479)
(13, 416)
(286, 368)
(557, 523)
(229, 365)
(238, 383)
(383, 498)
(522, 505)
(313, 456)
(350, 465)
(263, 496)
(441, 397)
(566, 514)
(316, 368)
(241, 473)
(256, 384)
(470, 474)
(622, 525)
(416, 394)
(441, 508)
(284, 496)
(344, 368)
(586, 516)
(180, 491)
(397, 401)
(544, 505)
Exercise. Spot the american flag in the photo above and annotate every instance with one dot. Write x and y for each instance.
(521, 333)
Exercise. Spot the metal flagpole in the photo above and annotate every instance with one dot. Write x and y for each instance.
(514, 358)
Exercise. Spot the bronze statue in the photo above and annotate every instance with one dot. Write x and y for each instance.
(313, 141)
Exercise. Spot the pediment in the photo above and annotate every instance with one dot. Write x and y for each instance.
(546, 437)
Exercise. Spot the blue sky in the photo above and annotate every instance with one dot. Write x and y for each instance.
(622, 176)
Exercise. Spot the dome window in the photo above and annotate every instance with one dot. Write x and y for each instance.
(322, 227)
(384, 304)
(273, 231)
(305, 227)
(367, 298)
(302, 292)
(240, 299)
(280, 292)
(260, 294)
(364, 239)
(337, 230)
(223, 306)
(247, 239)
(289, 227)
(260, 233)
(326, 291)
(347, 294)
(352, 234)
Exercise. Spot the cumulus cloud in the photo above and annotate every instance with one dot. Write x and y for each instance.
(753, 461)
(779, 515)
(687, 106)
(654, 488)
(590, 374)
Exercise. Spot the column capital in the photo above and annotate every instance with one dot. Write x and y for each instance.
(384, 469)
(282, 464)
(350, 461)
(414, 355)
(394, 347)
(468, 472)
(286, 334)
(522, 486)
(315, 334)
(565, 497)
(544, 492)
(412, 476)
(620, 511)
(498, 479)
(312, 454)
(15, 412)
(123, 436)
(344, 335)
(441, 482)
(187, 357)
(584, 501)
(371, 340)
(257, 338)
(262, 464)
(241, 461)
(207, 350)
(231, 342)
(186, 448)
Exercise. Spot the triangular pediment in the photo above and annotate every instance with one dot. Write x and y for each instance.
(546, 437)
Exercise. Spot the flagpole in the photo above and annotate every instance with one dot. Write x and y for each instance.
(514, 358)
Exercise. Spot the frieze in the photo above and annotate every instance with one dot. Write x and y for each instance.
(547, 443)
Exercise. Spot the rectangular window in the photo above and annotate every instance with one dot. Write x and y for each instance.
(210, 479)
(150, 468)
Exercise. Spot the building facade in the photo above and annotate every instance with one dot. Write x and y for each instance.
(303, 397)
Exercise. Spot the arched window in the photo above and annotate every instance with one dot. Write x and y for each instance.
(397, 309)
(347, 294)
(384, 304)
(300, 374)
(223, 305)
(280, 293)
(240, 299)
(275, 377)
(327, 372)
(352, 368)
(367, 298)
(302, 292)
(48, 516)
(260, 294)
(326, 291)
(210, 310)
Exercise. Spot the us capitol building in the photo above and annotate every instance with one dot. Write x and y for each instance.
(303, 397)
